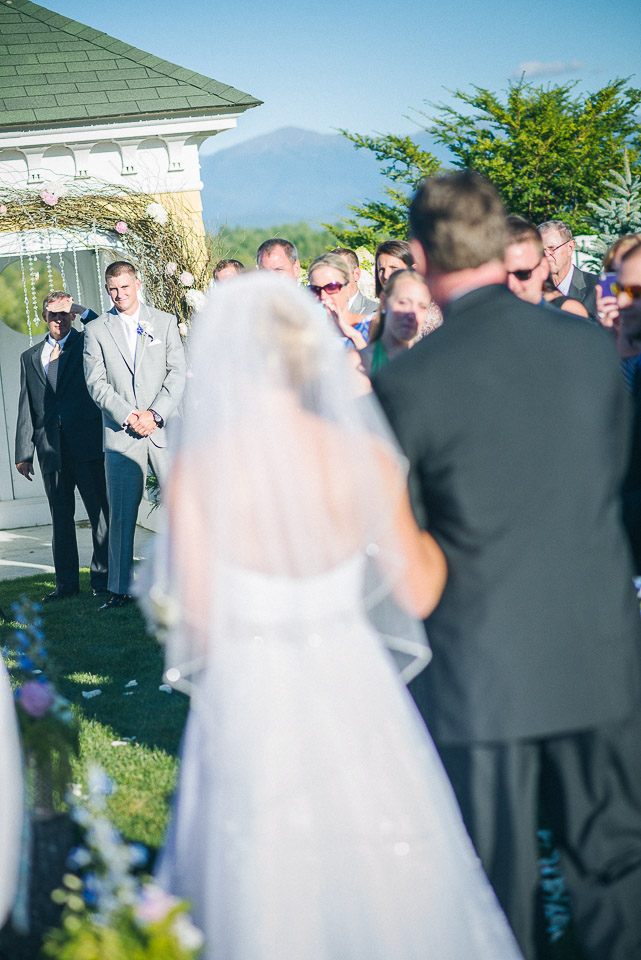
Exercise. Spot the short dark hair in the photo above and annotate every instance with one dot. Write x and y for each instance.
(239, 267)
(268, 245)
(53, 297)
(118, 267)
(350, 255)
(393, 248)
(520, 230)
(459, 220)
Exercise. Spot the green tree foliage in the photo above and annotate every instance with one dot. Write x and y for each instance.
(618, 213)
(547, 149)
(12, 306)
(241, 243)
(406, 165)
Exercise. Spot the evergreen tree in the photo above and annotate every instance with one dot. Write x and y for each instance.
(618, 213)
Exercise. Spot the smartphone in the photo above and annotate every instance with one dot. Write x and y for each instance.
(605, 281)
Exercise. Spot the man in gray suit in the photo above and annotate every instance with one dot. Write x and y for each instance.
(135, 370)
(358, 302)
(558, 246)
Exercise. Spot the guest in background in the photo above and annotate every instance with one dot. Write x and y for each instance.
(280, 256)
(358, 302)
(59, 420)
(528, 269)
(628, 322)
(606, 302)
(558, 246)
(226, 269)
(398, 325)
(391, 255)
(329, 278)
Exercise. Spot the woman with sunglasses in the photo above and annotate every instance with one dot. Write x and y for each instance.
(329, 282)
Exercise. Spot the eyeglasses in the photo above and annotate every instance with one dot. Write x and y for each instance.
(550, 251)
(632, 290)
(332, 288)
(522, 274)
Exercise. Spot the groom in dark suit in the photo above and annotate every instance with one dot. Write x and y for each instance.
(516, 426)
(58, 419)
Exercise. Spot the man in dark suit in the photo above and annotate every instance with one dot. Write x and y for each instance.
(558, 246)
(58, 419)
(516, 425)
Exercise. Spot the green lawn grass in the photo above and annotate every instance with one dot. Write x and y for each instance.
(94, 650)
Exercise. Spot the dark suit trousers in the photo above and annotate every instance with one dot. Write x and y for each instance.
(89, 477)
(588, 787)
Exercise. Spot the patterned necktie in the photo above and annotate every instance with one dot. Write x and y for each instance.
(52, 369)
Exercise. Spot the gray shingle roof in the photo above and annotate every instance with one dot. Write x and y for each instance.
(55, 70)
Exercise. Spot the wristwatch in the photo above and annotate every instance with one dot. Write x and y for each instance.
(158, 419)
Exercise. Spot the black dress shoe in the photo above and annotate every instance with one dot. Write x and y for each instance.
(60, 595)
(100, 591)
(117, 600)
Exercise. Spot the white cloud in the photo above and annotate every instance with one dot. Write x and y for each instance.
(536, 68)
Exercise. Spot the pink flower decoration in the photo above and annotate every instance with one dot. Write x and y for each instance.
(154, 904)
(186, 278)
(49, 198)
(170, 268)
(3, 210)
(121, 227)
(36, 698)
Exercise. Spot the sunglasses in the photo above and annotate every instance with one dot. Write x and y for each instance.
(522, 274)
(632, 290)
(332, 288)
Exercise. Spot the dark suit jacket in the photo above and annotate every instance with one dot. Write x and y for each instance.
(41, 411)
(632, 484)
(514, 421)
(583, 288)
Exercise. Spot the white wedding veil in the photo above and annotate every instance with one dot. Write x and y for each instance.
(278, 471)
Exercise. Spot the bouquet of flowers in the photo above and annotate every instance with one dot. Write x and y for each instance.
(109, 913)
(48, 730)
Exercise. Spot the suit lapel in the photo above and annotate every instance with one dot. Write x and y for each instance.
(114, 325)
(141, 341)
(36, 360)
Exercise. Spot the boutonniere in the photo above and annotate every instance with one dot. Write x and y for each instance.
(144, 329)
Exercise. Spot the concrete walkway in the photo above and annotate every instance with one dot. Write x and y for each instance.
(27, 551)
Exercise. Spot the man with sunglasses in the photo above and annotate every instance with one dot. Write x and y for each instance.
(558, 246)
(528, 268)
(58, 419)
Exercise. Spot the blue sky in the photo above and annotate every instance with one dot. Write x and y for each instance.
(367, 66)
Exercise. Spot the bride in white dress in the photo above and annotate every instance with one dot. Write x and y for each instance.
(313, 819)
(11, 796)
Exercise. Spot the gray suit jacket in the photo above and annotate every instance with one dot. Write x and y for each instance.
(118, 384)
(363, 305)
(583, 289)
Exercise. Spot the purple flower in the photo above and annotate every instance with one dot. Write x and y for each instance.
(36, 698)
(120, 227)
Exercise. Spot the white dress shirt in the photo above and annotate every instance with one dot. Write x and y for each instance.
(566, 283)
(47, 348)
(130, 326)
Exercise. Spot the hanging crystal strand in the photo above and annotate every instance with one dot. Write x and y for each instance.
(97, 252)
(61, 270)
(24, 288)
(32, 280)
(75, 267)
(48, 259)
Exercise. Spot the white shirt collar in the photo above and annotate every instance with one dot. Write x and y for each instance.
(53, 342)
(565, 284)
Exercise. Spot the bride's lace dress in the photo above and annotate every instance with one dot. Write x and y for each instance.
(313, 819)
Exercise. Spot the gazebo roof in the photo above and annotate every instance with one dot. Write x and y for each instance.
(56, 71)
